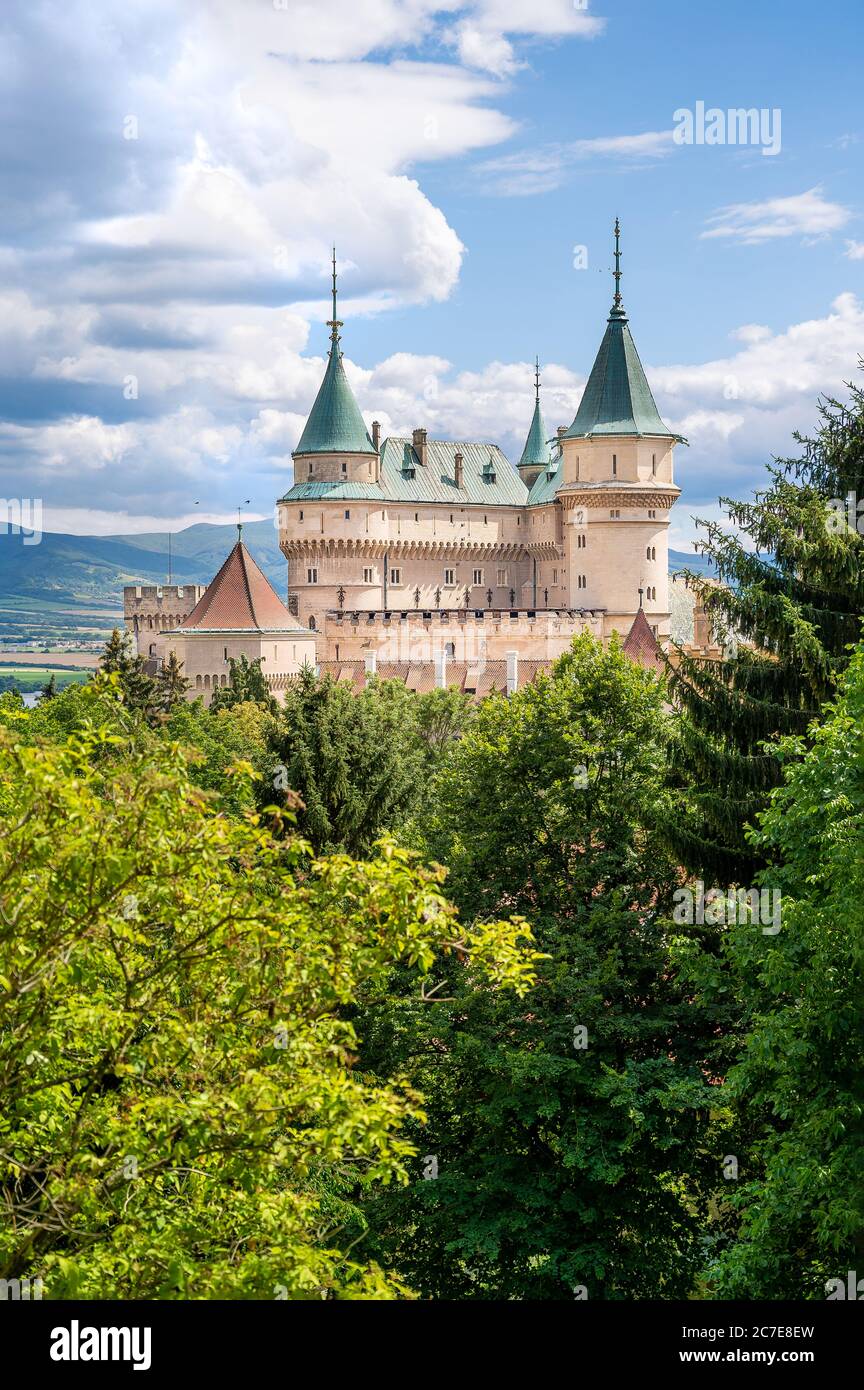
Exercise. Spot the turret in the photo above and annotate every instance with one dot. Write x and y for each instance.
(335, 444)
(535, 455)
(617, 484)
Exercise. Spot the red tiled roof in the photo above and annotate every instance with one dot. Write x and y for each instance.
(641, 645)
(240, 598)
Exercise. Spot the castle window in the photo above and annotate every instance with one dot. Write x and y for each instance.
(501, 576)
(301, 513)
(451, 518)
(224, 653)
(416, 516)
(478, 577)
(347, 515)
(653, 463)
(395, 576)
(449, 648)
(312, 624)
(312, 576)
(554, 576)
(651, 513)
(368, 575)
(615, 514)
(614, 463)
(310, 470)
(449, 576)
(344, 468)
(485, 520)
(654, 628)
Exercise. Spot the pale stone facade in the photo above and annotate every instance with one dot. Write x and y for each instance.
(237, 615)
(378, 534)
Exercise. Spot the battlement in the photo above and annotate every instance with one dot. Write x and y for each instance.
(466, 635)
(150, 608)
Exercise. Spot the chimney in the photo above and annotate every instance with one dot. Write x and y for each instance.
(459, 473)
(562, 429)
(370, 662)
(376, 436)
(419, 442)
(512, 672)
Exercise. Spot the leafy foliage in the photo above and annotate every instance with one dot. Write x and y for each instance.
(793, 589)
(566, 1159)
(801, 1198)
(178, 1098)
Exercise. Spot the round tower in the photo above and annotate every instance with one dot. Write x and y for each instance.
(618, 486)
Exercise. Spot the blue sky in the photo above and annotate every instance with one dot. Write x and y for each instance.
(174, 172)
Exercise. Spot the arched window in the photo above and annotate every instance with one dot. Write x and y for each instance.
(312, 624)
(197, 682)
(449, 648)
(206, 682)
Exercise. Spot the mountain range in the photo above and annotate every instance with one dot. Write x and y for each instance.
(79, 573)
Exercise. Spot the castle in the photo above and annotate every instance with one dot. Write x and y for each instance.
(438, 562)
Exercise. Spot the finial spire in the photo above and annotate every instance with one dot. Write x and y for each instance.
(617, 302)
(334, 324)
(239, 520)
(537, 379)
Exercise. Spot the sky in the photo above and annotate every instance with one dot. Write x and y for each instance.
(174, 173)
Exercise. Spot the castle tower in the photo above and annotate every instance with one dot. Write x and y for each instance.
(238, 614)
(335, 445)
(618, 487)
(535, 455)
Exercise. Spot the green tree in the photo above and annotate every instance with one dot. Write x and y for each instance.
(246, 682)
(355, 760)
(49, 689)
(179, 1106)
(171, 684)
(792, 592)
(800, 1196)
(139, 689)
(569, 1130)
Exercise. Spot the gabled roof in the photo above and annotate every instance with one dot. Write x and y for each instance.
(240, 599)
(488, 477)
(335, 425)
(641, 645)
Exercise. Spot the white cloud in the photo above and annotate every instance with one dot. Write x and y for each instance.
(854, 251)
(807, 214)
(526, 173)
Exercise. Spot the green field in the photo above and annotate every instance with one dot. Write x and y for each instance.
(29, 678)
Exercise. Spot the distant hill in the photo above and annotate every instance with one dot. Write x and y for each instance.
(683, 560)
(81, 572)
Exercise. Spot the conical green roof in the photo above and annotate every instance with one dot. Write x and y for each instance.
(335, 425)
(536, 451)
(617, 398)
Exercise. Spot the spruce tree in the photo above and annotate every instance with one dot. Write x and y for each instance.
(49, 689)
(139, 689)
(788, 605)
(171, 684)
